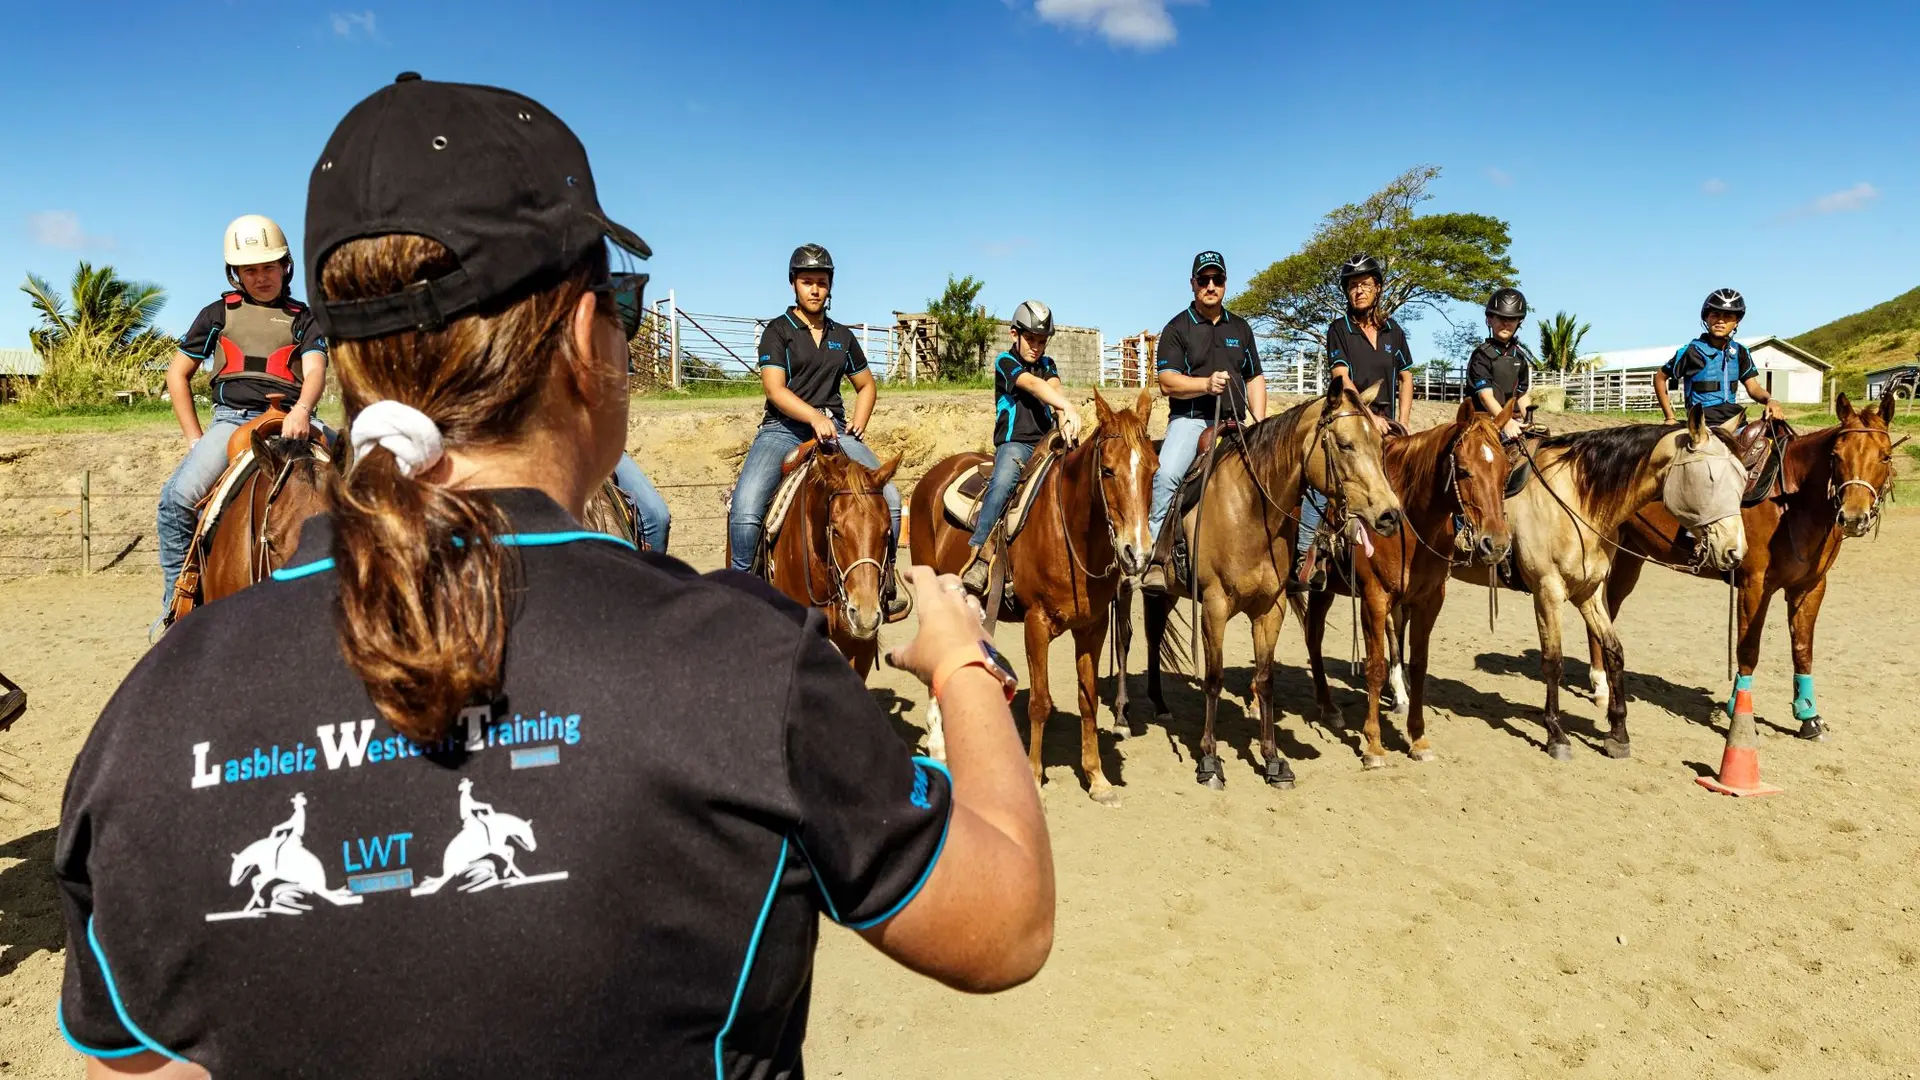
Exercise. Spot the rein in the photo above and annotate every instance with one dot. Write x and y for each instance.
(1058, 479)
(836, 574)
(260, 553)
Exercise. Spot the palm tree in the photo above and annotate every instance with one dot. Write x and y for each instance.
(1560, 343)
(99, 338)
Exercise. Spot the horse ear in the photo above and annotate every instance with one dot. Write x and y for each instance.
(1888, 406)
(1697, 425)
(1464, 415)
(886, 471)
(1506, 413)
(1143, 407)
(1101, 409)
(259, 443)
(1371, 392)
(1842, 407)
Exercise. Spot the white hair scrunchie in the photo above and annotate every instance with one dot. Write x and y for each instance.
(409, 434)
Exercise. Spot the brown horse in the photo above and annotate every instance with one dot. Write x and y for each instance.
(1249, 516)
(831, 551)
(1087, 531)
(260, 526)
(1837, 478)
(1451, 481)
(1585, 486)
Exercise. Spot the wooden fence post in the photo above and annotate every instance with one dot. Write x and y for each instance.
(86, 522)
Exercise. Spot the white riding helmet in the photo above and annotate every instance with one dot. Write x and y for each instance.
(253, 239)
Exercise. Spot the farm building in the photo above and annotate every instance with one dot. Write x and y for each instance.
(17, 368)
(1877, 380)
(1789, 372)
(1076, 350)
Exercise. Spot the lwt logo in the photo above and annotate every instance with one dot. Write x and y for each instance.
(380, 865)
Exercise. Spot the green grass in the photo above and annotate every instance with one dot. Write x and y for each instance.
(152, 413)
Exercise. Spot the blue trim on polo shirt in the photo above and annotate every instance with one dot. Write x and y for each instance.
(60, 1021)
(931, 863)
(119, 1007)
(746, 965)
(524, 540)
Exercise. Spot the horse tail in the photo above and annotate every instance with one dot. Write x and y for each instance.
(1167, 632)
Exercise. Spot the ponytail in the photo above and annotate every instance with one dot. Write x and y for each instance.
(425, 588)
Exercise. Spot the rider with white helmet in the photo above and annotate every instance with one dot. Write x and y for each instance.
(1026, 391)
(256, 340)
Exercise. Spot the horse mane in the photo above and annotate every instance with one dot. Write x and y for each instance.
(1605, 460)
(1414, 461)
(841, 471)
(1269, 438)
(276, 452)
(1808, 462)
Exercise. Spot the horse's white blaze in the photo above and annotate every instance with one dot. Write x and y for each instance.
(1487, 452)
(1600, 690)
(1398, 677)
(936, 737)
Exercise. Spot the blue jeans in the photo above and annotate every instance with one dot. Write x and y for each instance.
(192, 479)
(656, 521)
(760, 475)
(1313, 509)
(1177, 452)
(1009, 461)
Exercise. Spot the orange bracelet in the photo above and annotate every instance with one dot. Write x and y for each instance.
(971, 657)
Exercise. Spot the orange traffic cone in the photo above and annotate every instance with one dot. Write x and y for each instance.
(1740, 764)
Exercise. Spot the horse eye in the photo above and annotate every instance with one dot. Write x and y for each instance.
(1106, 470)
(1345, 445)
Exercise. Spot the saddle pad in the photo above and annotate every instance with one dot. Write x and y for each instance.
(783, 497)
(214, 506)
(964, 493)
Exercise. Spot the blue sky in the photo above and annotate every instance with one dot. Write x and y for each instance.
(1079, 151)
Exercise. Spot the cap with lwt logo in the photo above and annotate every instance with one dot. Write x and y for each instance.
(493, 176)
(1209, 260)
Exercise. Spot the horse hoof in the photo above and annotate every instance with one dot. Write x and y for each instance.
(1105, 797)
(1812, 730)
(1560, 751)
(1212, 781)
(1136, 728)
(1617, 749)
(1163, 717)
(1373, 761)
(1421, 755)
(1332, 720)
(1281, 783)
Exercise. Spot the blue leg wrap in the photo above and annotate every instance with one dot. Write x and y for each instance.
(1740, 682)
(1803, 706)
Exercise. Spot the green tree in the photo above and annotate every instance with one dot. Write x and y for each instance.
(1432, 260)
(1560, 339)
(98, 339)
(963, 326)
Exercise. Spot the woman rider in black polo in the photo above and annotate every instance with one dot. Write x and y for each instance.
(521, 801)
(1365, 347)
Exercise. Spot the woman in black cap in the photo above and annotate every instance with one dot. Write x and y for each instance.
(507, 808)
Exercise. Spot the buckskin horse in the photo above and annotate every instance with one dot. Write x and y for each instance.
(1585, 485)
(1832, 484)
(1086, 531)
(1451, 482)
(830, 551)
(1248, 516)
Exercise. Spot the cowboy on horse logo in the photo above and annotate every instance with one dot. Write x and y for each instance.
(482, 855)
(283, 871)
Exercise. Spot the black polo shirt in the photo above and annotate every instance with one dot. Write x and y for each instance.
(1368, 363)
(1507, 370)
(813, 371)
(1019, 416)
(1192, 345)
(616, 867)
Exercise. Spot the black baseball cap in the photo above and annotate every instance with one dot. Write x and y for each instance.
(492, 175)
(1200, 262)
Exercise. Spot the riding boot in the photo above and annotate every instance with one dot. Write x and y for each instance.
(979, 567)
(893, 604)
(1155, 577)
(1309, 574)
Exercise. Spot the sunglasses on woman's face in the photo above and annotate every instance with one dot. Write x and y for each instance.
(628, 292)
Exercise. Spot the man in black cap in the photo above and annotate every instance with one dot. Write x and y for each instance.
(1209, 368)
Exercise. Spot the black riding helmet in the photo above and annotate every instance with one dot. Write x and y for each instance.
(1360, 266)
(1507, 303)
(809, 257)
(1727, 300)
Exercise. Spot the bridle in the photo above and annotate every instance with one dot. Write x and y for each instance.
(837, 573)
(1835, 491)
(1074, 561)
(1469, 522)
(260, 551)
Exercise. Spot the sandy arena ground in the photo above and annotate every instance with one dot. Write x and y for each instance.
(1489, 914)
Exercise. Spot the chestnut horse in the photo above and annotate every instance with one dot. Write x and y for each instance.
(1249, 514)
(1087, 530)
(831, 552)
(260, 526)
(1838, 477)
(1585, 485)
(1451, 481)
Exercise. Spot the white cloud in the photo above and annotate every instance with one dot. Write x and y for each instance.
(61, 229)
(1137, 24)
(1857, 197)
(1499, 177)
(1715, 186)
(347, 24)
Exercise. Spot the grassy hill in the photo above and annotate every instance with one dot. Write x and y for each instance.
(1878, 337)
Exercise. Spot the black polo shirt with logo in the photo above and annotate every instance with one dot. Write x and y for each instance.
(1367, 362)
(1504, 369)
(257, 348)
(615, 868)
(813, 371)
(1193, 345)
(1019, 416)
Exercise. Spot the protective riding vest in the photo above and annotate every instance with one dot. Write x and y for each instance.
(259, 343)
(1717, 380)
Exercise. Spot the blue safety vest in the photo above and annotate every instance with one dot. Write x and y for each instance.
(1718, 380)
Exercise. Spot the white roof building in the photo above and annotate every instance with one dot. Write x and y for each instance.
(1788, 371)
